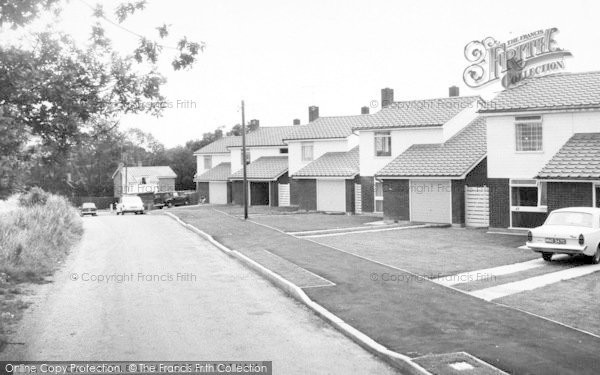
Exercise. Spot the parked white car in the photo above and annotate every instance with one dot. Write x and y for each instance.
(574, 231)
(130, 203)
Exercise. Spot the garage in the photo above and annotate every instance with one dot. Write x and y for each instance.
(217, 192)
(331, 195)
(431, 201)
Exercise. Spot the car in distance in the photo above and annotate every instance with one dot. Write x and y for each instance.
(160, 199)
(130, 203)
(574, 231)
(177, 199)
(88, 208)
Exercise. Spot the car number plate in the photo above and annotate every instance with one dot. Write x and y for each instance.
(557, 241)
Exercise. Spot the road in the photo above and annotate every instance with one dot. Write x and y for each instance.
(167, 294)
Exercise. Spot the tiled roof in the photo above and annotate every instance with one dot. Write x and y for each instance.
(151, 173)
(552, 92)
(332, 164)
(264, 168)
(218, 173)
(220, 145)
(417, 113)
(579, 158)
(267, 136)
(453, 158)
(327, 127)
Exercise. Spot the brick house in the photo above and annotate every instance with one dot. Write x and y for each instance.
(542, 146)
(427, 182)
(141, 180)
(211, 174)
(264, 176)
(385, 135)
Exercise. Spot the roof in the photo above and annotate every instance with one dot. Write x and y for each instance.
(218, 173)
(267, 136)
(332, 164)
(327, 127)
(551, 92)
(264, 168)
(418, 113)
(579, 158)
(220, 145)
(457, 156)
(151, 173)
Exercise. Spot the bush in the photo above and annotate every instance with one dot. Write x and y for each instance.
(34, 197)
(37, 236)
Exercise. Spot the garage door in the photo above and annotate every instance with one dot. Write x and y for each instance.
(430, 201)
(217, 192)
(331, 195)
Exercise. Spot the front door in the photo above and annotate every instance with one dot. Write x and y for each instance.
(597, 187)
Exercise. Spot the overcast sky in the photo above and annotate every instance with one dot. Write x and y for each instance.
(283, 56)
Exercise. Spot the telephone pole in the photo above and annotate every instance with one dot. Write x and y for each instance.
(245, 181)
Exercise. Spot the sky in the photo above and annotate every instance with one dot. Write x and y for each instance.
(283, 56)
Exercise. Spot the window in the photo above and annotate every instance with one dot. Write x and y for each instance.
(207, 162)
(283, 150)
(378, 196)
(143, 180)
(307, 151)
(528, 132)
(247, 157)
(383, 144)
(528, 193)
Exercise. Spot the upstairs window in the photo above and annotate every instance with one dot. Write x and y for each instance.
(528, 130)
(307, 151)
(143, 180)
(207, 162)
(283, 150)
(383, 144)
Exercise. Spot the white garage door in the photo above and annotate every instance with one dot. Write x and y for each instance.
(430, 201)
(331, 195)
(217, 192)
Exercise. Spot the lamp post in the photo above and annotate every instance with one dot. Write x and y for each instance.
(245, 180)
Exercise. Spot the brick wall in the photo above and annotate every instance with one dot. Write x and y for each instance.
(307, 194)
(499, 202)
(396, 200)
(569, 194)
(293, 191)
(458, 202)
(202, 189)
(368, 190)
(166, 184)
(350, 196)
(478, 175)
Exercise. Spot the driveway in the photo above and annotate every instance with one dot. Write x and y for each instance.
(141, 287)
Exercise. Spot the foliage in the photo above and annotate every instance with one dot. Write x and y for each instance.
(34, 197)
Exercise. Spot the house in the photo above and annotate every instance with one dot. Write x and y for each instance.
(312, 172)
(542, 147)
(139, 180)
(327, 184)
(387, 134)
(267, 167)
(213, 167)
(428, 182)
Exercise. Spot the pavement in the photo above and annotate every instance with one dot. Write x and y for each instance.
(409, 314)
(143, 287)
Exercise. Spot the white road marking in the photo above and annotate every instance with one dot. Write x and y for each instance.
(499, 291)
(488, 272)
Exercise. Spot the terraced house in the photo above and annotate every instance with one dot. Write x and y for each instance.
(543, 142)
(213, 167)
(395, 177)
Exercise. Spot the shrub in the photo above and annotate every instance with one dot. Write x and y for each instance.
(36, 237)
(34, 197)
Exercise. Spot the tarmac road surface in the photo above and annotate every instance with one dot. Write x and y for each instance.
(141, 287)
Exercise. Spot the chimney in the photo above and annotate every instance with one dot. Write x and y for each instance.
(453, 91)
(254, 124)
(296, 121)
(364, 110)
(387, 97)
(313, 113)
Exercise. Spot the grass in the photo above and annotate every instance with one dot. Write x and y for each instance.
(574, 302)
(35, 237)
(435, 252)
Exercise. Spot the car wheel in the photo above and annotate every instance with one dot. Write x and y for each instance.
(186, 203)
(595, 259)
(547, 256)
(170, 204)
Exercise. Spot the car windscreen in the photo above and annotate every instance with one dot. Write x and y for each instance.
(575, 219)
(132, 200)
(88, 205)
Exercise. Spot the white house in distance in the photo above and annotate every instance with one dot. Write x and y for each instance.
(213, 169)
(385, 135)
(321, 163)
(543, 145)
(139, 180)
